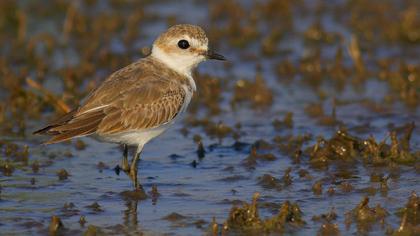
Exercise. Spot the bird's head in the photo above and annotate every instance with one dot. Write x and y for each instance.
(183, 47)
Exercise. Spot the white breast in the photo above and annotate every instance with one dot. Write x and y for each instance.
(188, 95)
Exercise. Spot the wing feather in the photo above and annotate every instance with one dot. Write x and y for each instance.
(135, 102)
(149, 114)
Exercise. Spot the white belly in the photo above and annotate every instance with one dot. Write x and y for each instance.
(135, 137)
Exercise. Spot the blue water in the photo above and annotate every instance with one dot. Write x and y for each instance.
(201, 193)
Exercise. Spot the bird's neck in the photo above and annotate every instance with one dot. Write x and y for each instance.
(178, 65)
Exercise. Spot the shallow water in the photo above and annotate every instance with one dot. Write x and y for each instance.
(208, 190)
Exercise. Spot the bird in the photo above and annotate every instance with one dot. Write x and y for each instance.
(139, 102)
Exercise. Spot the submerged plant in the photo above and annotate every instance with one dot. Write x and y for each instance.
(246, 219)
(365, 217)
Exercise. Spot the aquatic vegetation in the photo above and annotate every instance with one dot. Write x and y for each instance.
(256, 92)
(79, 145)
(397, 151)
(287, 178)
(345, 147)
(211, 89)
(346, 187)
(217, 130)
(62, 174)
(93, 230)
(251, 161)
(35, 167)
(327, 227)
(201, 152)
(246, 219)
(94, 207)
(269, 182)
(69, 209)
(365, 216)
(327, 217)
(7, 169)
(55, 226)
(287, 122)
(341, 147)
(292, 145)
(410, 220)
(328, 90)
(174, 217)
(331, 191)
(261, 145)
(82, 221)
(136, 195)
(317, 187)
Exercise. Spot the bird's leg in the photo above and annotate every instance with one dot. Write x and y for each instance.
(124, 161)
(133, 168)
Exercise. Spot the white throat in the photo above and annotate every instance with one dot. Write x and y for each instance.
(183, 65)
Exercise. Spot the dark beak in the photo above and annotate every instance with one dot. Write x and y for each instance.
(213, 55)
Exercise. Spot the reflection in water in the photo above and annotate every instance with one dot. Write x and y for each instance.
(130, 217)
(154, 194)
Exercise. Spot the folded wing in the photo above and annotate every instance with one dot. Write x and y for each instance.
(115, 108)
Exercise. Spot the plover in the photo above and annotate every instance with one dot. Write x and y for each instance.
(140, 101)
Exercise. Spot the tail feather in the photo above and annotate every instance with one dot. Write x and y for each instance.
(60, 121)
(79, 122)
(44, 130)
(72, 134)
(72, 125)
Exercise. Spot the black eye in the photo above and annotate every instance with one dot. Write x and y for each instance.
(183, 44)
